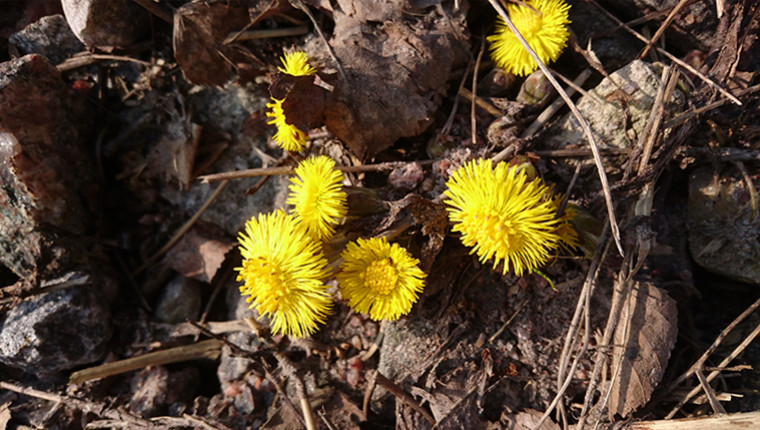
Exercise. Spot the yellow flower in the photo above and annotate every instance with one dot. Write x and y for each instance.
(283, 269)
(288, 136)
(543, 28)
(316, 194)
(502, 215)
(379, 278)
(296, 64)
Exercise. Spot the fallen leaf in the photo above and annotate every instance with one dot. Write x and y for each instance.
(200, 253)
(199, 32)
(525, 420)
(646, 333)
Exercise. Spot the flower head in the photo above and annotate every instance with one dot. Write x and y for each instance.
(502, 215)
(543, 28)
(288, 136)
(379, 278)
(283, 269)
(296, 64)
(318, 201)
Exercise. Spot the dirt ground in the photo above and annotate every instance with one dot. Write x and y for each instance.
(135, 146)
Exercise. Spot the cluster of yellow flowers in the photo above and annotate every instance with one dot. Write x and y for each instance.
(284, 267)
(507, 217)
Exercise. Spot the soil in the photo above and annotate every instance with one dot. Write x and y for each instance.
(118, 240)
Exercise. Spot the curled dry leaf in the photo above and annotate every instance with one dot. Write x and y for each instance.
(647, 333)
(200, 253)
(199, 32)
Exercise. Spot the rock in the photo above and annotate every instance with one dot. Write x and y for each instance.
(106, 23)
(407, 177)
(46, 173)
(51, 37)
(180, 301)
(609, 111)
(58, 330)
(155, 389)
(723, 233)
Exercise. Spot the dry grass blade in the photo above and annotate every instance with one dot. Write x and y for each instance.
(664, 26)
(714, 403)
(738, 350)
(670, 56)
(748, 420)
(553, 108)
(584, 124)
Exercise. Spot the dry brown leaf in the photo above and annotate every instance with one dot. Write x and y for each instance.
(199, 32)
(200, 253)
(647, 333)
(396, 65)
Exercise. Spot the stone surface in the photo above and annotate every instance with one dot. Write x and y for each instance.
(156, 390)
(610, 111)
(51, 37)
(59, 330)
(724, 236)
(46, 173)
(179, 301)
(106, 23)
(613, 51)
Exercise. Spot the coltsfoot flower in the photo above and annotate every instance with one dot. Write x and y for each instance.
(502, 215)
(316, 194)
(544, 29)
(288, 136)
(379, 278)
(283, 272)
(296, 64)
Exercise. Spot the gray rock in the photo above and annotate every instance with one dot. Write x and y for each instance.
(51, 37)
(106, 23)
(179, 301)
(57, 331)
(155, 389)
(610, 111)
(724, 236)
(46, 174)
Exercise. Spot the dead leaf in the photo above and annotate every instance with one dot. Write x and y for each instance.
(200, 253)
(199, 32)
(396, 65)
(647, 332)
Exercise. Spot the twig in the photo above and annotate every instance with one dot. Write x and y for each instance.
(87, 58)
(207, 349)
(665, 24)
(581, 310)
(738, 350)
(481, 102)
(555, 106)
(750, 187)
(289, 369)
(401, 394)
(714, 403)
(670, 56)
(287, 170)
(740, 421)
(584, 124)
(182, 230)
(265, 34)
(582, 152)
(473, 121)
(507, 322)
(99, 409)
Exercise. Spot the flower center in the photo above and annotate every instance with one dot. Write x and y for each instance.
(381, 276)
(493, 231)
(528, 22)
(270, 283)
